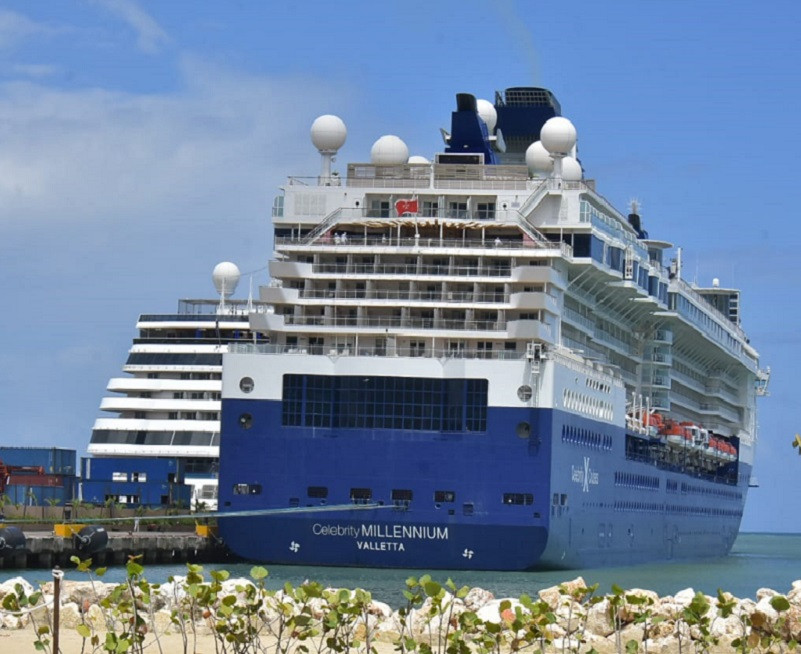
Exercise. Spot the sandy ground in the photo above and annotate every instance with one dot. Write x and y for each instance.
(21, 641)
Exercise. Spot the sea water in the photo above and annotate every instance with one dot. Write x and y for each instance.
(756, 561)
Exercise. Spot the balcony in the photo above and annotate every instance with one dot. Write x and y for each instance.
(274, 322)
(663, 337)
(162, 405)
(534, 301)
(290, 269)
(575, 318)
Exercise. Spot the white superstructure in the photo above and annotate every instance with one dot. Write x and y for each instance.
(168, 405)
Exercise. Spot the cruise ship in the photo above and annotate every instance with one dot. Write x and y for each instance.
(477, 362)
(168, 404)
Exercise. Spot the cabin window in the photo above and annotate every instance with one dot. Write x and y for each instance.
(524, 499)
(361, 495)
(247, 489)
(441, 496)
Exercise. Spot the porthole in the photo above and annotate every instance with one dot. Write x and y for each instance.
(523, 430)
(246, 384)
(524, 393)
(246, 421)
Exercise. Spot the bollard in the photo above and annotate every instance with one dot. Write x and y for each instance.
(57, 577)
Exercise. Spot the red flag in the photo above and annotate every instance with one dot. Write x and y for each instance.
(406, 206)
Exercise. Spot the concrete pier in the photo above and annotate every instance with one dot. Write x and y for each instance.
(45, 549)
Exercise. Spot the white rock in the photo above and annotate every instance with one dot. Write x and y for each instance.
(8, 586)
(70, 615)
(162, 621)
(491, 611)
(763, 606)
(632, 632)
(95, 617)
(380, 609)
(729, 627)
(477, 597)
(8, 621)
(684, 597)
(647, 594)
(765, 592)
(598, 620)
(556, 595)
(570, 615)
(599, 644)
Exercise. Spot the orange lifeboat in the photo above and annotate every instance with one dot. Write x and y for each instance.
(677, 435)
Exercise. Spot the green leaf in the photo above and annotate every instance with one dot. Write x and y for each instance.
(101, 571)
(44, 629)
(134, 569)
(258, 573)
(219, 575)
(432, 588)
(780, 603)
(83, 630)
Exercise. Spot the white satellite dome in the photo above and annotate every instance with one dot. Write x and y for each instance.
(486, 110)
(538, 159)
(571, 170)
(328, 133)
(389, 150)
(558, 135)
(417, 159)
(225, 277)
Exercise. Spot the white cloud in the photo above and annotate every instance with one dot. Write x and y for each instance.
(36, 71)
(96, 156)
(150, 36)
(15, 28)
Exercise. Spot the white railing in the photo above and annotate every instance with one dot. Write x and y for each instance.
(380, 351)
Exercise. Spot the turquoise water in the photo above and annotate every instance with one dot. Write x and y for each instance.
(756, 561)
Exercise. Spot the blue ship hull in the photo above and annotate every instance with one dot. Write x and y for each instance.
(569, 493)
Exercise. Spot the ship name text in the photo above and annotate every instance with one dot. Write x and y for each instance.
(417, 532)
(381, 537)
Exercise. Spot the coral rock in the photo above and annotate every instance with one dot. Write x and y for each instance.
(70, 616)
(598, 620)
(477, 597)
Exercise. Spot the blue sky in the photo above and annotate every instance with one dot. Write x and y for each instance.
(142, 142)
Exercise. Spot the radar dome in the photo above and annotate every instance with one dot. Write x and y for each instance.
(486, 111)
(328, 133)
(558, 135)
(226, 277)
(571, 170)
(417, 159)
(538, 159)
(389, 150)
